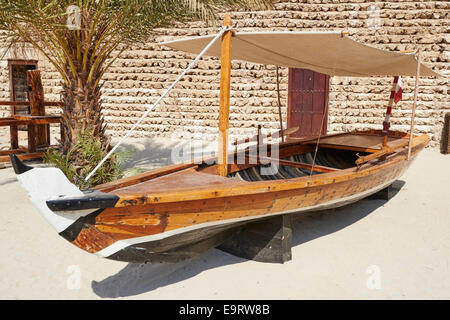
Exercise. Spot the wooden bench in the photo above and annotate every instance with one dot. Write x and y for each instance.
(294, 164)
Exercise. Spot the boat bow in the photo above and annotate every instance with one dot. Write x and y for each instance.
(56, 198)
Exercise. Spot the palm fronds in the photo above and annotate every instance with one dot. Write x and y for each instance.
(84, 52)
(105, 24)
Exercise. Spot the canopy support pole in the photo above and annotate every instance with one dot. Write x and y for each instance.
(413, 115)
(224, 111)
(279, 105)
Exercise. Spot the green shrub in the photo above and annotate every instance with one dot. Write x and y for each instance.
(83, 157)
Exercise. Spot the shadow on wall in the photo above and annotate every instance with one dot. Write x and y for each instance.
(156, 152)
(136, 279)
(147, 155)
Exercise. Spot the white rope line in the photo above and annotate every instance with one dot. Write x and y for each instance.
(224, 29)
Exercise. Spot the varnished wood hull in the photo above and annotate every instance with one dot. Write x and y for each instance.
(171, 226)
(197, 239)
(181, 211)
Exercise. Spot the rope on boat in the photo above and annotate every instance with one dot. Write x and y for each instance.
(224, 29)
(413, 114)
(317, 144)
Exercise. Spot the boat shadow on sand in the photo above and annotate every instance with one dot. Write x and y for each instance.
(136, 278)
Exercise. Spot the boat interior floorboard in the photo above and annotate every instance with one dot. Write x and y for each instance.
(325, 159)
(188, 178)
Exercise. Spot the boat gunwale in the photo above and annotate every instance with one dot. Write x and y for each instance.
(239, 188)
(152, 174)
(145, 176)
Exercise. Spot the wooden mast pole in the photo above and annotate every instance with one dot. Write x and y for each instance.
(224, 111)
(416, 89)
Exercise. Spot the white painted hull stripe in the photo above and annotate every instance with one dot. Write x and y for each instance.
(44, 184)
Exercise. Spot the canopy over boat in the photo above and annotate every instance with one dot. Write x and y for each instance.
(326, 52)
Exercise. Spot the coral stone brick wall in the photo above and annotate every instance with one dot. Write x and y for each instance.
(354, 103)
(142, 73)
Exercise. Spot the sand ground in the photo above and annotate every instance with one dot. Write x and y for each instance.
(373, 249)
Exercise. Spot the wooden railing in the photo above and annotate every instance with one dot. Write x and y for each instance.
(27, 103)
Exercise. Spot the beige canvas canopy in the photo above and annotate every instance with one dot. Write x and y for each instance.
(326, 52)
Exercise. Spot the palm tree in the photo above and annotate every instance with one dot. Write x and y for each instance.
(83, 38)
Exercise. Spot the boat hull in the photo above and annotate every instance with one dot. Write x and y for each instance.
(176, 230)
(178, 212)
(196, 240)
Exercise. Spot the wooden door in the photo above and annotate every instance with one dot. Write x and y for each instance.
(307, 102)
(19, 91)
(18, 86)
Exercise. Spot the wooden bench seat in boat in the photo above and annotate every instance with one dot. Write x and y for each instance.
(363, 142)
(295, 164)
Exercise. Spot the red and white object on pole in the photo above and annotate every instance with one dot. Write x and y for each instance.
(396, 96)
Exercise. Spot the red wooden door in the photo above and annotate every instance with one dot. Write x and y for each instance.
(307, 102)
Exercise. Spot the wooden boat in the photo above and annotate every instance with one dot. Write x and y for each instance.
(182, 210)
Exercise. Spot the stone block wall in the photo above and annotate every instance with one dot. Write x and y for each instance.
(142, 73)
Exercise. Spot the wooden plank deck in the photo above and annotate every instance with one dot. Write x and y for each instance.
(185, 179)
